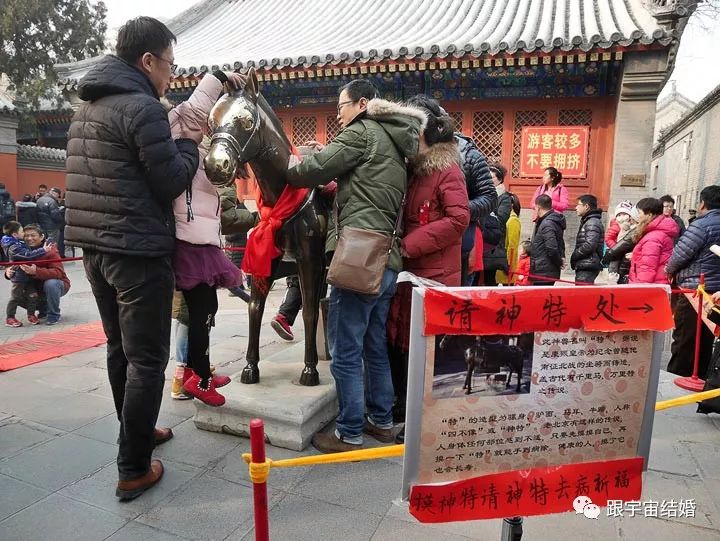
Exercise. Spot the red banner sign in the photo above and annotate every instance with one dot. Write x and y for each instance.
(538, 491)
(562, 147)
(511, 310)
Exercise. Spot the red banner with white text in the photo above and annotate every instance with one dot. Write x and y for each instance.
(513, 310)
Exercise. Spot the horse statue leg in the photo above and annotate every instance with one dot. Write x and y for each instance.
(256, 308)
(311, 286)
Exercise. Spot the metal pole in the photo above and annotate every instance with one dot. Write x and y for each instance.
(260, 501)
(512, 529)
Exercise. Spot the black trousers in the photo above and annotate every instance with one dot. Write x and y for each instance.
(202, 304)
(23, 294)
(682, 350)
(586, 276)
(134, 297)
(292, 303)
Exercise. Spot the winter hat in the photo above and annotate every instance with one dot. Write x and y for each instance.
(624, 207)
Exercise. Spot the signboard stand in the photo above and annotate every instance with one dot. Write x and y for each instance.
(512, 529)
(523, 399)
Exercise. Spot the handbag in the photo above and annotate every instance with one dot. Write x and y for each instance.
(361, 256)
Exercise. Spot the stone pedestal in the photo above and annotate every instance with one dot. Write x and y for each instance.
(292, 413)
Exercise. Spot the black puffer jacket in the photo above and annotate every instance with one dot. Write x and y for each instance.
(482, 197)
(481, 192)
(692, 256)
(49, 213)
(547, 250)
(123, 168)
(589, 243)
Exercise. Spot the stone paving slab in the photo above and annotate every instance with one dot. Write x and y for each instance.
(57, 468)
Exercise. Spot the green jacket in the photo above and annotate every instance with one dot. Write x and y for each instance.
(368, 160)
(234, 220)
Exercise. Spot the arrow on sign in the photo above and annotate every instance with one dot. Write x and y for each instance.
(647, 308)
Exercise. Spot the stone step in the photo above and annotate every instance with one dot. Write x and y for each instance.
(292, 413)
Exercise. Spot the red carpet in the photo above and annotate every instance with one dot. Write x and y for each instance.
(48, 345)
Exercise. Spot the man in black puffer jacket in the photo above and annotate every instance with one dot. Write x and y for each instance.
(691, 258)
(547, 251)
(482, 196)
(586, 259)
(123, 172)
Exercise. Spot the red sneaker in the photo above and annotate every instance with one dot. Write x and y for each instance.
(12, 322)
(282, 327)
(209, 396)
(33, 319)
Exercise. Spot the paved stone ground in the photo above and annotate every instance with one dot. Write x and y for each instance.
(57, 465)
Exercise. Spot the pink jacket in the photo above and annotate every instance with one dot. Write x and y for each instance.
(653, 251)
(558, 194)
(192, 115)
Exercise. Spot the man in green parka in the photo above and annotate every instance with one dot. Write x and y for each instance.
(368, 160)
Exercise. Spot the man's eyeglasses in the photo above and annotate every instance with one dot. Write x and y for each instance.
(173, 67)
(343, 104)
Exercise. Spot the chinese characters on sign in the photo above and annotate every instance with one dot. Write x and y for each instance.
(585, 404)
(505, 311)
(562, 147)
(531, 492)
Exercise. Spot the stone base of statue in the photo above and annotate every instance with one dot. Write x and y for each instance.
(292, 413)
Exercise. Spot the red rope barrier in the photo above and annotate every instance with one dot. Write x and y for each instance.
(36, 261)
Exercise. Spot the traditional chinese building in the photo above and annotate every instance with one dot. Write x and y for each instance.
(687, 157)
(497, 66)
(23, 167)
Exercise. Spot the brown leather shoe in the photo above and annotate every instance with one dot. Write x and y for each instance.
(384, 435)
(328, 442)
(129, 490)
(162, 435)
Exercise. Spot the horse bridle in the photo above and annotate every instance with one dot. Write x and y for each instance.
(232, 141)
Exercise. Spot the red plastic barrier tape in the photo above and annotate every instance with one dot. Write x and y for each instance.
(516, 311)
(538, 491)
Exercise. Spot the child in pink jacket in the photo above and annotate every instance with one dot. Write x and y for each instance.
(199, 261)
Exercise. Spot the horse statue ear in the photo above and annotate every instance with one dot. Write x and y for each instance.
(252, 86)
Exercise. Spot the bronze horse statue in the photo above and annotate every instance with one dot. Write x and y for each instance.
(246, 131)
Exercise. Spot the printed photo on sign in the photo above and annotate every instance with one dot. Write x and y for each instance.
(480, 366)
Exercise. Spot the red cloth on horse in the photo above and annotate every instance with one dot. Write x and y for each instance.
(261, 249)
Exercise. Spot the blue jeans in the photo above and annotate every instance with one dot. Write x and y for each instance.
(54, 289)
(181, 343)
(356, 332)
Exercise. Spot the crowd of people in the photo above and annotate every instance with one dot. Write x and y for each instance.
(150, 225)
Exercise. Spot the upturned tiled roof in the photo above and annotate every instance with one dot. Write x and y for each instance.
(29, 152)
(282, 33)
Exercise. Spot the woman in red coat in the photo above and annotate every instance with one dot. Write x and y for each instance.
(655, 239)
(436, 215)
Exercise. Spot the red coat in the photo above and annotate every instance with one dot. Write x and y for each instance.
(52, 269)
(523, 271)
(436, 215)
(612, 233)
(653, 251)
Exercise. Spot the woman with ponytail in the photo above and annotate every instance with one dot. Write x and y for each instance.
(553, 187)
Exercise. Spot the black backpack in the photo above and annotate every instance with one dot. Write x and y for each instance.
(492, 230)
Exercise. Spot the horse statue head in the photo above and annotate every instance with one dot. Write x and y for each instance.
(245, 130)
